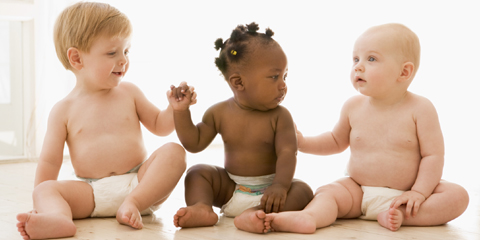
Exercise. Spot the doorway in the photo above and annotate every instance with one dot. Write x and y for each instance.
(11, 90)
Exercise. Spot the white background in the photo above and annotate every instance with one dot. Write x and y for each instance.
(173, 41)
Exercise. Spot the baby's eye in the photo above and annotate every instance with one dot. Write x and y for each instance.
(275, 77)
(111, 53)
(126, 53)
(371, 59)
(355, 59)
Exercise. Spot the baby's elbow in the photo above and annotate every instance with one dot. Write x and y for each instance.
(192, 149)
(165, 132)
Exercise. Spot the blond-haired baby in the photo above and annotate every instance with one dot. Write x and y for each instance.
(100, 122)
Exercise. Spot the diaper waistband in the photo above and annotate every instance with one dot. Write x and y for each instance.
(90, 180)
(252, 180)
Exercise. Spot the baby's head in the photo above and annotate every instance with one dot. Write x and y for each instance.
(401, 38)
(84, 22)
(237, 51)
(385, 52)
(255, 67)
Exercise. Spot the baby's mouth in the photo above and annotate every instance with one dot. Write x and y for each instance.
(358, 79)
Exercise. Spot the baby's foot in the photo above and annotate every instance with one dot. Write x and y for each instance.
(251, 221)
(39, 226)
(296, 222)
(198, 215)
(391, 219)
(128, 214)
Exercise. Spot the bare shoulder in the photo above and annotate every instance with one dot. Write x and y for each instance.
(60, 111)
(220, 106)
(130, 88)
(354, 102)
(419, 101)
(420, 104)
(282, 112)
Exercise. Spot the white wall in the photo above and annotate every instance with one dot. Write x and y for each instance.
(173, 42)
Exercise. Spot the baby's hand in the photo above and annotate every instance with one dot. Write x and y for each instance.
(412, 201)
(274, 198)
(182, 97)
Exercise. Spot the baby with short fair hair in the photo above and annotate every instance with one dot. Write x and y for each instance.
(396, 144)
(100, 122)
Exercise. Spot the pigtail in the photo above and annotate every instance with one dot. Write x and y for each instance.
(219, 44)
(269, 32)
(252, 28)
(237, 34)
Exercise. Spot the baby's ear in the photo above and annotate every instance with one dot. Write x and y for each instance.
(74, 58)
(407, 71)
(236, 82)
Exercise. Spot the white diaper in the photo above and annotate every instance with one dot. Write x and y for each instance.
(376, 200)
(248, 193)
(110, 192)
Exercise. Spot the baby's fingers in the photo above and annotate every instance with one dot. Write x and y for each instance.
(264, 204)
(397, 202)
(408, 209)
(278, 205)
(416, 207)
(183, 87)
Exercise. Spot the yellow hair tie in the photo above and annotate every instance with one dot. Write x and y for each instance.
(233, 52)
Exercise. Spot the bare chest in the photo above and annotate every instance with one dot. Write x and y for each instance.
(116, 116)
(383, 132)
(249, 130)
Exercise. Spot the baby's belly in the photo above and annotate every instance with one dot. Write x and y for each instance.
(397, 174)
(106, 158)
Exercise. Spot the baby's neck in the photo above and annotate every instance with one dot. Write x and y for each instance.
(390, 101)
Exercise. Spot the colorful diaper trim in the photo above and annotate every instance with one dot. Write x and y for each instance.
(252, 190)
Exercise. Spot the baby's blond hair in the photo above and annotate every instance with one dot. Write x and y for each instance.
(405, 40)
(80, 24)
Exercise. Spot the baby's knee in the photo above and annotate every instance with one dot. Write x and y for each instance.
(461, 196)
(174, 153)
(302, 187)
(45, 187)
(173, 149)
(199, 169)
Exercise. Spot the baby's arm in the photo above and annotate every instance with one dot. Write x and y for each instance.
(431, 144)
(274, 197)
(331, 142)
(51, 157)
(159, 122)
(194, 138)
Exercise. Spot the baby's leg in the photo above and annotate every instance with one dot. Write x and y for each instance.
(447, 202)
(299, 195)
(205, 186)
(56, 203)
(253, 219)
(341, 199)
(157, 178)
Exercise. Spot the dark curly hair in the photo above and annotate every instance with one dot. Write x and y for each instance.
(235, 49)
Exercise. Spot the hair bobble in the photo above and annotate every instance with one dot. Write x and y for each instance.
(252, 28)
(233, 52)
(269, 32)
(219, 44)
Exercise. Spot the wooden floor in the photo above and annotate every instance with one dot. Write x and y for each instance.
(16, 184)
